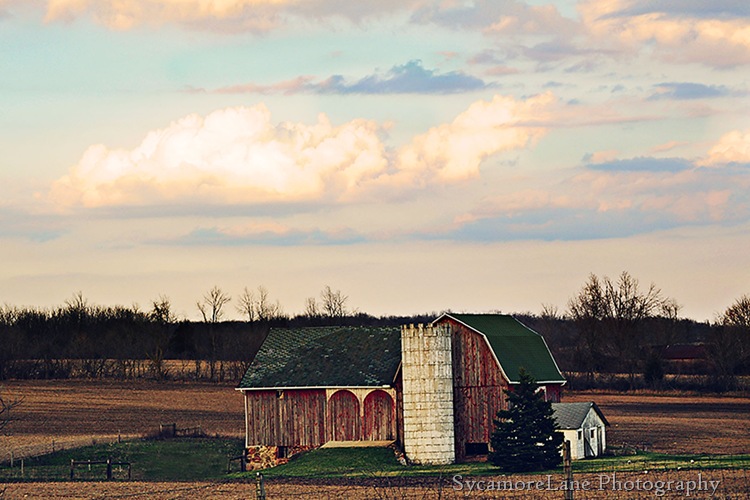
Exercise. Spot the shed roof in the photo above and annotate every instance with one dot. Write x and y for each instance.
(515, 345)
(325, 357)
(572, 415)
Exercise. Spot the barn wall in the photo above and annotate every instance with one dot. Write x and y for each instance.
(285, 417)
(553, 392)
(399, 411)
(478, 385)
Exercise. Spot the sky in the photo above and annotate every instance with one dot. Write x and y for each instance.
(419, 156)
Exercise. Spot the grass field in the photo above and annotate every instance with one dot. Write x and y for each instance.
(358, 473)
(179, 459)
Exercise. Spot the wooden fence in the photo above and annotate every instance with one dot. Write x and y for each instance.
(88, 463)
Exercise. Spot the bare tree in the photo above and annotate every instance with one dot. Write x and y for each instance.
(259, 307)
(333, 303)
(246, 304)
(728, 343)
(611, 318)
(163, 325)
(738, 314)
(6, 405)
(161, 310)
(212, 306)
(311, 308)
(212, 311)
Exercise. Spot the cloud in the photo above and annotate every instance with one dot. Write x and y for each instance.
(219, 15)
(717, 36)
(667, 146)
(601, 156)
(726, 9)
(454, 151)
(643, 164)
(618, 198)
(409, 78)
(733, 147)
(687, 90)
(264, 234)
(502, 17)
(237, 156)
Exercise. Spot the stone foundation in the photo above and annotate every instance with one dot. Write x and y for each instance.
(262, 457)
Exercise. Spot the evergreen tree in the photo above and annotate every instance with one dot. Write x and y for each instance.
(525, 437)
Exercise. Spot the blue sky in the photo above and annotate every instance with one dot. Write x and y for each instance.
(418, 155)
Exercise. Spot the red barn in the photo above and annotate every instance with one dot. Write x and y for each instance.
(433, 389)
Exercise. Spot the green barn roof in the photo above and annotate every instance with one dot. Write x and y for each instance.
(514, 344)
(325, 357)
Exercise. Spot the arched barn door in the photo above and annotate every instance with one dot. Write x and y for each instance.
(379, 417)
(344, 423)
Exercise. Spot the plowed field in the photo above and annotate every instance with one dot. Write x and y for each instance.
(675, 424)
(80, 411)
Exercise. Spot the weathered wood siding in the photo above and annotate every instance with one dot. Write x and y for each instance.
(343, 422)
(380, 417)
(285, 418)
(399, 410)
(554, 392)
(478, 385)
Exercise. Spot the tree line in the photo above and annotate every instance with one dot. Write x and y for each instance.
(610, 326)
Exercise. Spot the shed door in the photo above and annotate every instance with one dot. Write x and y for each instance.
(343, 419)
(379, 416)
(590, 442)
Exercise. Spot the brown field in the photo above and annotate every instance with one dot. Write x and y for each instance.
(675, 423)
(82, 410)
(75, 412)
(729, 484)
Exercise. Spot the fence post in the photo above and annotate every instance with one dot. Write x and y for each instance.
(11, 459)
(109, 469)
(260, 488)
(72, 468)
(568, 468)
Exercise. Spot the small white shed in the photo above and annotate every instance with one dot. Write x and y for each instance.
(584, 425)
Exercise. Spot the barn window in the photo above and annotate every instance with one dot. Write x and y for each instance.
(282, 452)
(580, 434)
(592, 430)
(476, 449)
(280, 394)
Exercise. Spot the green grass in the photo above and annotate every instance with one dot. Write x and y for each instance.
(660, 461)
(195, 459)
(179, 459)
(381, 462)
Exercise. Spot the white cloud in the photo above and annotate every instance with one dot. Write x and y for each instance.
(454, 151)
(238, 156)
(681, 36)
(250, 15)
(733, 147)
